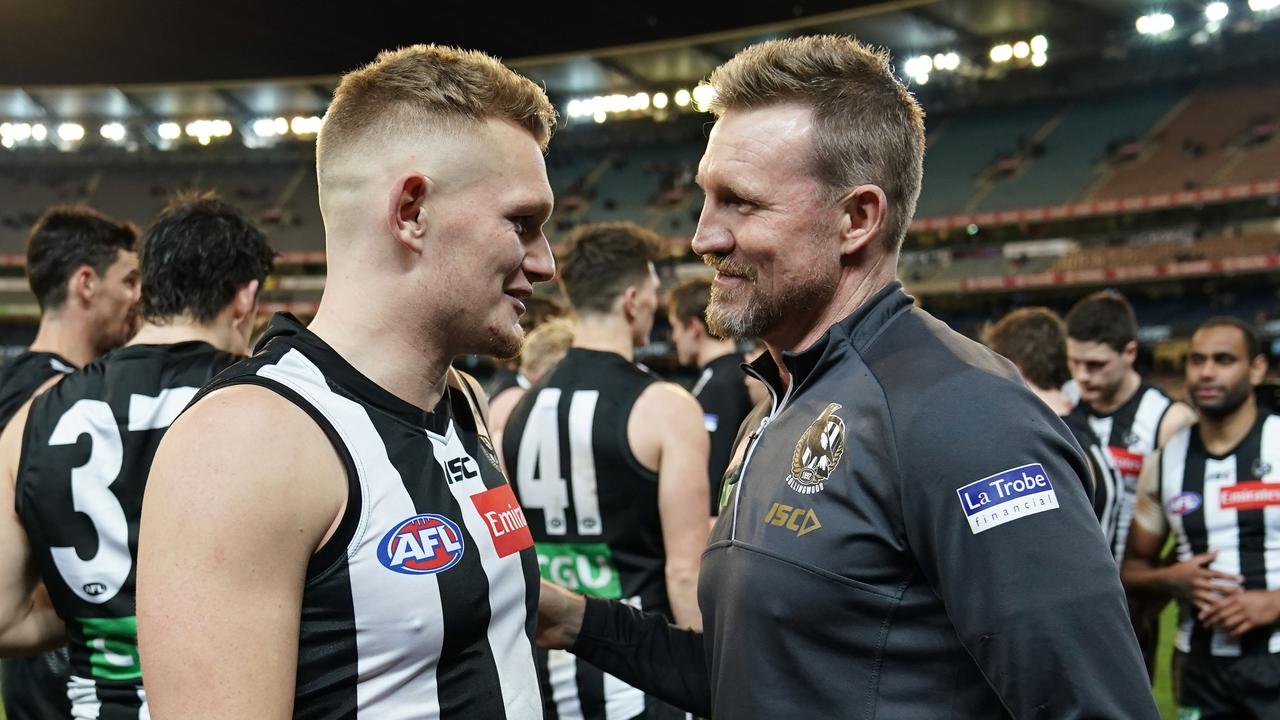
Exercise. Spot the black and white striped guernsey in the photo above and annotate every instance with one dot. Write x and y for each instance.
(1107, 483)
(86, 454)
(1132, 432)
(1229, 503)
(423, 603)
(593, 511)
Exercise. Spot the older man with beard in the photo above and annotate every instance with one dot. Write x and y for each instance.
(907, 533)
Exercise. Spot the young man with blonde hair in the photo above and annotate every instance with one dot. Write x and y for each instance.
(360, 552)
(909, 532)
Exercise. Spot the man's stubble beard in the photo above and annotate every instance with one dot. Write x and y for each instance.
(762, 313)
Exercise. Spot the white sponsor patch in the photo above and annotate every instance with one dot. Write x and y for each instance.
(1007, 496)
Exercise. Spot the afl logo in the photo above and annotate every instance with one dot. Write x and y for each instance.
(422, 545)
(817, 453)
(1187, 502)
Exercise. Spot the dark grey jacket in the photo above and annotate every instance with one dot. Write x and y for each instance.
(907, 536)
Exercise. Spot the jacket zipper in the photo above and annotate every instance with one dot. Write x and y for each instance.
(754, 439)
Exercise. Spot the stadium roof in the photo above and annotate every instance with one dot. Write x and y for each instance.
(147, 61)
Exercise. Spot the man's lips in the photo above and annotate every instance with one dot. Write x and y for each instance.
(518, 296)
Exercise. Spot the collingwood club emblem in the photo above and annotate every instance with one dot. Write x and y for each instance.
(817, 453)
(1261, 468)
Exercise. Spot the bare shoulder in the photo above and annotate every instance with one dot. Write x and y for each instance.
(1178, 417)
(254, 441)
(667, 400)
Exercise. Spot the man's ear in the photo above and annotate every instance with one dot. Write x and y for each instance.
(244, 304)
(629, 302)
(1130, 351)
(864, 218)
(406, 213)
(83, 284)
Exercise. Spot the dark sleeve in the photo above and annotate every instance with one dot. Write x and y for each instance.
(996, 512)
(647, 652)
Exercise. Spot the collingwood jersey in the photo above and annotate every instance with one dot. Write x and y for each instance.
(423, 603)
(34, 687)
(86, 454)
(1229, 503)
(593, 510)
(1132, 432)
(23, 374)
(1107, 483)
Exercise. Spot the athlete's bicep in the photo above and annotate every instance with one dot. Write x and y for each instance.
(1149, 527)
(25, 624)
(243, 490)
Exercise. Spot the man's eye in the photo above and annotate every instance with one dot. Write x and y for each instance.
(519, 226)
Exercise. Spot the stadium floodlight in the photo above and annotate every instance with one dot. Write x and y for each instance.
(1263, 5)
(169, 131)
(951, 61)
(70, 132)
(301, 125)
(1021, 49)
(264, 127)
(39, 132)
(1039, 59)
(638, 102)
(600, 116)
(682, 97)
(6, 141)
(1039, 44)
(1002, 53)
(113, 131)
(1155, 24)
(1216, 12)
(703, 95)
(660, 100)
(921, 79)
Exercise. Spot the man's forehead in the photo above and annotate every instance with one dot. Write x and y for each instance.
(1218, 339)
(769, 140)
(1090, 349)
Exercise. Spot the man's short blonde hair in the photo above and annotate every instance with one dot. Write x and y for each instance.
(867, 128)
(545, 346)
(430, 84)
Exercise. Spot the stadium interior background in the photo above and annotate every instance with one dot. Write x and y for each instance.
(1072, 144)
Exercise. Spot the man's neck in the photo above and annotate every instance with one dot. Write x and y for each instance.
(1221, 435)
(852, 292)
(712, 350)
(179, 330)
(1132, 381)
(604, 333)
(67, 336)
(1052, 397)
(381, 345)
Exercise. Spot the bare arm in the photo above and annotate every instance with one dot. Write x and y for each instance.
(1178, 417)
(257, 480)
(27, 621)
(1188, 580)
(500, 412)
(666, 425)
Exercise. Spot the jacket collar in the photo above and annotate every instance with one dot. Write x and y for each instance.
(857, 330)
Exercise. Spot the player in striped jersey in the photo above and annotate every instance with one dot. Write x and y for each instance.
(76, 459)
(1216, 485)
(610, 463)
(83, 271)
(327, 533)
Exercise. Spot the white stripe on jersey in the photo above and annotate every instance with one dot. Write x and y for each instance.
(1271, 514)
(512, 653)
(392, 610)
(83, 694)
(562, 672)
(1141, 439)
(1224, 534)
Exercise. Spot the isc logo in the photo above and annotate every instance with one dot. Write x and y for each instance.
(422, 545)
(461, 468)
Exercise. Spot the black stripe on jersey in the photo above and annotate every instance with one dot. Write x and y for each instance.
(467, 674)
(549, 709)
(590, 682)
(326, 686)
(1252, 526)
(1194, 526)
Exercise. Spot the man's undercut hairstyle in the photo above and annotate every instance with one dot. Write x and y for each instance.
(868, 129)
(426, 85)
(197, 254)
(1252, 347)
(1034, 339)
(600, 261)
(1103, 317)
(688, 300)
(68, 238)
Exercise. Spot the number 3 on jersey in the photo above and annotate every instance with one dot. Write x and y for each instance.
(540, 472)
(99, 578)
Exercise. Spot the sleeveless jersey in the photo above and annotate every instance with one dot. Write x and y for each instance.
(1132, 432)
(1229, 503)
(34, 688)
(423, 603)
(1107, 483)
(593, 511)
(722, 392)
(86, 455)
